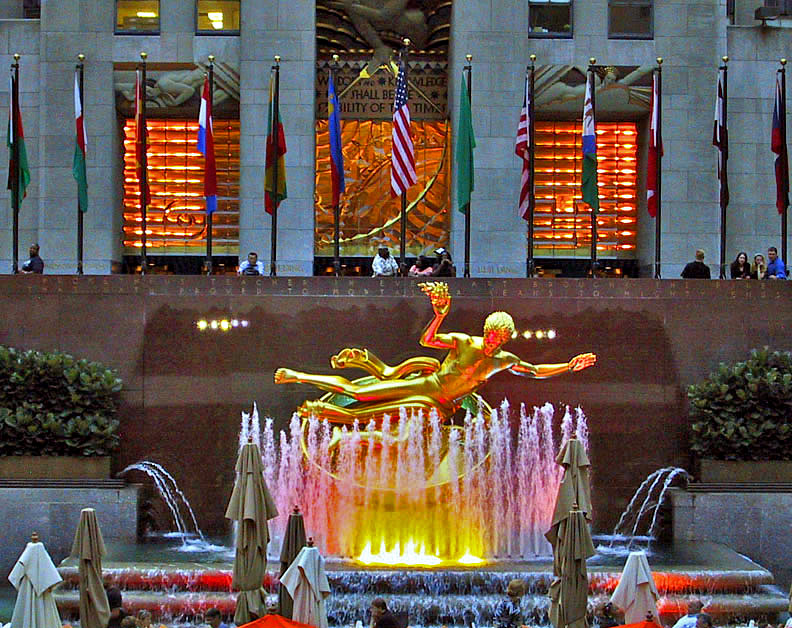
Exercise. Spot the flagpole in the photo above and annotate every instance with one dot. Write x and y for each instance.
(15, 157)
(469, 68)
(80, 68)
(594, 237)
(782, 122)
(337, 204)
(275, 187)
(658, 164)
(209, 121)
(403, 227)
(144, 189)
(724, 156)
(531, 155)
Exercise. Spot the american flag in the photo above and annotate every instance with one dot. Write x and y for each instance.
(403, 153)
(522, 149)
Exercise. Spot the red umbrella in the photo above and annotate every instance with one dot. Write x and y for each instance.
(274, 621)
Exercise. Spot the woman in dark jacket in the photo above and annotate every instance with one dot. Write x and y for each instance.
(740, 268)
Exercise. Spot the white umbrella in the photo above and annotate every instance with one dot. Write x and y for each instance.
(636, 594)
(306, 582)
(34, 576)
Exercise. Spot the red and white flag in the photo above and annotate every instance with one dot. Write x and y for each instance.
(522, 149)
(403, 153)
(655, 150)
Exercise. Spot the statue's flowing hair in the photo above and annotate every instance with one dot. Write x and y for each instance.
(499, 322)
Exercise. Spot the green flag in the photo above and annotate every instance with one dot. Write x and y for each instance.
(466, 142)
(16, 136)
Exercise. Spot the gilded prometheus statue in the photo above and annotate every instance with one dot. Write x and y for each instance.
(423, 382)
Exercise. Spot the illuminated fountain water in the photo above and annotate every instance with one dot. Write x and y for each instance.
(419, 493)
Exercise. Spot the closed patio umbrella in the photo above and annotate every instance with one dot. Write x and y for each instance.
(306, 581)
(293, 542)
(34, 576)
(251, 506)
(89, 548)
(636, 594)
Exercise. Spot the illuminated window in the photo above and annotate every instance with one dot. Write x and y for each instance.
(562, 221)
(550, 18)
(137, 16)
(176, 216)
(218, 16)
(630, 19)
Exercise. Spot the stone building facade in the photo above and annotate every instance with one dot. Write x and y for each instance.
(691, 36)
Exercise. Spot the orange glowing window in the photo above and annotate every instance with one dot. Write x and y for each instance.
(562, 222)
(176, 216)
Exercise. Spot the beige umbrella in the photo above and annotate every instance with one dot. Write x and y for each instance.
(293, 542)
(636, 594)
(34, 577)
(569, 589)
(89, 548)
(571, 539)
(251, 506)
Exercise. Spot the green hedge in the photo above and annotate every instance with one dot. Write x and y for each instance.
(52, 404)
(744, 410)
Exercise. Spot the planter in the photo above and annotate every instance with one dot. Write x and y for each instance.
(738, 471)
(54, 467)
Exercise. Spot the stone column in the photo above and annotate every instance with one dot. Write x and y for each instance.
(286, 28)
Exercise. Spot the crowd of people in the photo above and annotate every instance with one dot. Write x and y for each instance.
(384, 265)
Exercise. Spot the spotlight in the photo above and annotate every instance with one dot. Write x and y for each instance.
(234, 323)
(225, 325)
(213, 325)
(514, 335)
(551, 334)
(527, 335)
(539, 334)
(201, 324)
(244, 323)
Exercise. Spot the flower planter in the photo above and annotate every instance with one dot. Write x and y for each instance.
(54, 467)
(739, 471)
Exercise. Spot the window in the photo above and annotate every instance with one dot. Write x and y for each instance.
(217, 16)
(137, 16)
(630, 19)
(550, 18)
(31, 9)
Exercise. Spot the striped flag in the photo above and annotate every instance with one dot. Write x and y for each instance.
(16, 135)
(336, 154)
(206, 148)
(720, 139)
(588, 182)
(522, 149)
(78, 163)
(655, 150)
(274, 191)
(403, 153)
(141, 137)
(778, 146)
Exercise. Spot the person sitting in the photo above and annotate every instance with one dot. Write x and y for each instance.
(251, 266)
(115, 602)
(421, 268)
(703, 621)
(689, 621)
(383, 264)
(740, 268)
(776, 269)
(445, 265)
(508, 613)
(129, 622)
(603, 616)
(696, 269)
(214, 619)
(759, 267)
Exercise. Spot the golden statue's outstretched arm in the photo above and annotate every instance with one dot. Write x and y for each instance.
(543, 371)
(441, 304)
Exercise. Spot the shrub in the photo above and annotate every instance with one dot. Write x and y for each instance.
(743, 411)
(52, 404)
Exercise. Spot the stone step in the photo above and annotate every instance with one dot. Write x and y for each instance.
(167, 578)
(345, 609)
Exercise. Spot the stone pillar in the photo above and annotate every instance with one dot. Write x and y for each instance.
(286, 28)
(70, 27)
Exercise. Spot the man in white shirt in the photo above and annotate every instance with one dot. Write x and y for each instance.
(251, 266)
(689, 620)
(384, 265)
